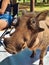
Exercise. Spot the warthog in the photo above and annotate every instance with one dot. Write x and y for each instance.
(26, 33)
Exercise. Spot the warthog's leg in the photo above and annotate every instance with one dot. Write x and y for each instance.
(33, 54)
(34, 47)
(43, 52)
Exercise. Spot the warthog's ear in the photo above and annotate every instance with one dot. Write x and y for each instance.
(42, 15)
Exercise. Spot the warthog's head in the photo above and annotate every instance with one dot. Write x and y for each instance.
(33, 22)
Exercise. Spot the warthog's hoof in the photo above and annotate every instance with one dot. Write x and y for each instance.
(41, 63)
(33, 54)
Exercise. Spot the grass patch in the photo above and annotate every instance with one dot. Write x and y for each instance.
(41, 8)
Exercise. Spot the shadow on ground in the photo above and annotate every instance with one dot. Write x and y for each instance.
(22, 58)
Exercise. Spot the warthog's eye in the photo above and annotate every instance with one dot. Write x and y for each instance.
(33, 21)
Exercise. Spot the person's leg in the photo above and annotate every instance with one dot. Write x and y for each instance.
(3, 24)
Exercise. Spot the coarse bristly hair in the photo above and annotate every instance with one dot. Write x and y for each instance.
(26, 34)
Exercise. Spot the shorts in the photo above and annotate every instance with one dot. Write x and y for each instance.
(6, 17)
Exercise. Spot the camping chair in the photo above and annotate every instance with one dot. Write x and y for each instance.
(14, 9)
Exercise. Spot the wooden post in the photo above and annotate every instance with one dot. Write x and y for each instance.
(47, 1)
(43, 1)
(35, 1)
(32, 5)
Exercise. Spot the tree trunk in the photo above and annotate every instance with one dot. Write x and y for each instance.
(35, 1)
(43, 1)
(23, 1)
(47, 1)
(32, 5)
(14, 1)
